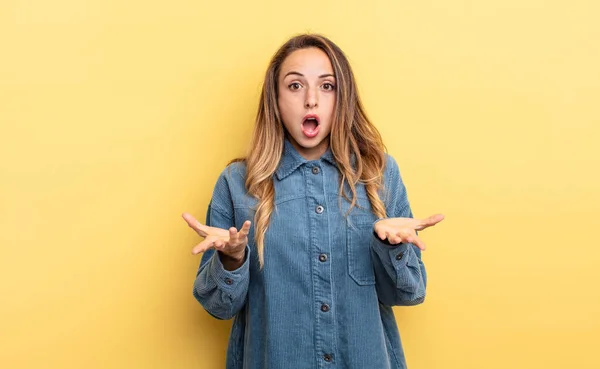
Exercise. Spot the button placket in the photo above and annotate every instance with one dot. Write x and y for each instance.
(321, 270)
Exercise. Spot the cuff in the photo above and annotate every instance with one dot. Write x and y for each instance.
(397, 254)
(228, 280)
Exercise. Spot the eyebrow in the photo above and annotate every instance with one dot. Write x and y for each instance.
(302, 75)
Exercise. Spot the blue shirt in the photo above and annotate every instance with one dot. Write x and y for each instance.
(324, 296)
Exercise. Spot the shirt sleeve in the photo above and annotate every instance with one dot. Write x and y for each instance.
(221, 292)
(400, 274)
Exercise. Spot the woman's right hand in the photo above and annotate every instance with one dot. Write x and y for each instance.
(230, 242)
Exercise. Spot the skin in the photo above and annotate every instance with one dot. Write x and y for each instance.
(231, 244)
(306, 86)
(403, 230)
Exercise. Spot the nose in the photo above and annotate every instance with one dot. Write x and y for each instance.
(311, 99)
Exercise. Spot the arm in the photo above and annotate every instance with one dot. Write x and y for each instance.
(400, 274)
(220, 291)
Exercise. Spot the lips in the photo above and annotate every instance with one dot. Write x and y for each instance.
(310, 125)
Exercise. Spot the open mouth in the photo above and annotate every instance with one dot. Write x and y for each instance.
(310, 125)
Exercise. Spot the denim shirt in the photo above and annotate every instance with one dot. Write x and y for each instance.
(324, 297)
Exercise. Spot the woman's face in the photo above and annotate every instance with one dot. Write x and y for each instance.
(306, 98)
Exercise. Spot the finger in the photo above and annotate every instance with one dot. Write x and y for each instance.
(399, 237)
(245, 229)
(203, 246)
(219, 244)
(394, 240)
(382, 235)
(195, 224)
(416, 240)
(233, 234)
(405, 235)
(430, 221)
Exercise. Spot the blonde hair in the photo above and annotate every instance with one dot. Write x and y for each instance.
(352, 136)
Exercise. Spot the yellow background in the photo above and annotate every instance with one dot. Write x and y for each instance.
(117, 116)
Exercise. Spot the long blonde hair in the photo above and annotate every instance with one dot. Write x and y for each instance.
(352, 136)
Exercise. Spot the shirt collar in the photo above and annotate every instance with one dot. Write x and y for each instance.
(292, 160)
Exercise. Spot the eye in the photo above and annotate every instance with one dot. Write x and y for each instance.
(328, 86)
(295, 86)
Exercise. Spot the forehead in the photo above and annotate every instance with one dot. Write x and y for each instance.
(307, 61)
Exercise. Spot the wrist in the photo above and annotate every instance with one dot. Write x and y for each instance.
(232, 262)
(238, 257)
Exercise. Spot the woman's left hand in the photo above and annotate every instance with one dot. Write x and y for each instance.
(399, 230)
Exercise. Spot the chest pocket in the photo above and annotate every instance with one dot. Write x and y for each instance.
(359, 234)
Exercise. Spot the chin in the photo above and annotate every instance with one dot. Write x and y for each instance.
(310, 143)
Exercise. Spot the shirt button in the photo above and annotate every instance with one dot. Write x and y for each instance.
(315, 170)
(319, 209)
(324, 308)
(229, 281)
(323, 258)
(399, 256)
(327, 358)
